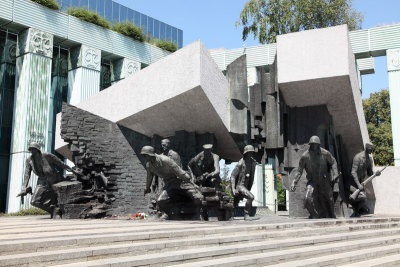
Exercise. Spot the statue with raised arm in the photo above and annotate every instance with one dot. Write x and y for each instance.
(204, 168)
(44, 165)
(321, 169)
(242, 179)
(179, 195)
(362, 168)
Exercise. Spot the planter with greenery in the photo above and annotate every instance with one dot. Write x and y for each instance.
(131, 30)
(48, 3)
(88, 16)
(26, 212)
(166, 45)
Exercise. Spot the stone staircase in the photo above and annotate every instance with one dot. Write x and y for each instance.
(270, 241)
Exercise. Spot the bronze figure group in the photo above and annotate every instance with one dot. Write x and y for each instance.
(181, 193)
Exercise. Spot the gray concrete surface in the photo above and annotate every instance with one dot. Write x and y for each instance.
(317, 67)
(183, 91)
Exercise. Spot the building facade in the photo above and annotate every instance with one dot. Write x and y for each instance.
(115, 12)
(43, 64)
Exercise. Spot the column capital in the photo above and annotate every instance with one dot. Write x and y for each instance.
(122, 68)
(393, 59)
(85, 56)
(35, 41)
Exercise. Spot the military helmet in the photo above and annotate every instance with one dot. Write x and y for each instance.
(369, 145)
(248, 148)
(33, 145)
(147, 150)
(314, 140)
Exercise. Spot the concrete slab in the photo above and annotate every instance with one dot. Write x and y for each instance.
(183, 91)
(317, 67)
(386, 188)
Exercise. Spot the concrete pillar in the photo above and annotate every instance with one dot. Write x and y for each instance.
(84, 73)
(7, 78)
(393, 66)
(31, 106)
(122, 68)
(270, 191)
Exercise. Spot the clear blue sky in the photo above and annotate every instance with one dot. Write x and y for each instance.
(213, 22)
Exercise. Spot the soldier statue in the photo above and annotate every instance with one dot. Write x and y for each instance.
(178, 188)
(167, 151)
(242, 179)
(204, 168)
(321, 168)
(44, 165)
(361, 169)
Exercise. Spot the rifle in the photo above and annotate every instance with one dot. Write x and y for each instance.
(369, 179)
(23, 193)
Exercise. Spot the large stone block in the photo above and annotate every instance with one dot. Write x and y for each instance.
(183, 91)
(317, 67)
(386, 188)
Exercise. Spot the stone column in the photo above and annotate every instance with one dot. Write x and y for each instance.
(122, 68)
(7, 84)
(83, 74)
(393, 66)
(31, 106)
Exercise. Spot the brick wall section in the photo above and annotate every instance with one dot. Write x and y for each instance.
(109, 150)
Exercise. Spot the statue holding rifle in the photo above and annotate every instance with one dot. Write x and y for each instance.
(362, 173)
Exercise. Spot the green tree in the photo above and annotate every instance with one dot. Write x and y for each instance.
(266, 19)
(377, 116)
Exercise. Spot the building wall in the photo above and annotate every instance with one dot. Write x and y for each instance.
(115, 12)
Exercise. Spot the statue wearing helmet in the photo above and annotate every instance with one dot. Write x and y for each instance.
(44, 165)
(179, 193)
(321, 169)
(361, 169)
(242, 179)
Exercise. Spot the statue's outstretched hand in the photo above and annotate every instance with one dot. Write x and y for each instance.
(293, 186)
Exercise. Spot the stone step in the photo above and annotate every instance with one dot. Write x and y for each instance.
(88, 253)
(277, 259)
(391, 260)
(278, 251)
(44, 243)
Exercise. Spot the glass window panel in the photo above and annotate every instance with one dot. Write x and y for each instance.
(75, 3)
(180, 38)
(143, 22)
(162, 30)
(168, 33)
(150, 25)
(100, 7)
(156, 31)
(84, 4)
(137, 18)
(131, 15)
(93, 5)
(108, 10)
(123, 12)
(65, 4)
(115, 12)
(174, 35)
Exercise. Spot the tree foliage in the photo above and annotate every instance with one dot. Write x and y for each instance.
(266, 19)
(377, 116)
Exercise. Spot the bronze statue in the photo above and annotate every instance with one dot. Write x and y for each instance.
(44, 165)
(242, 179)
(321, 168)
(167, 151)
(179, 195)
(204, 168)
(360, 171)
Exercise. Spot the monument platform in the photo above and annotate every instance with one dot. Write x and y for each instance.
(272, 240)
